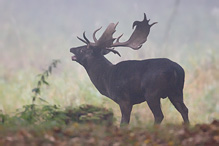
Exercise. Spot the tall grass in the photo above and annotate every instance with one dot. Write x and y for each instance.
(72, 87)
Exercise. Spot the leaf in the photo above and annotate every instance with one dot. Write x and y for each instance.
(43, 100)
(39, 83)
(54, 64)
(43, 78)
(50, 69)
(45, 82)
(46, 73)
(33, 98)
(36, 90)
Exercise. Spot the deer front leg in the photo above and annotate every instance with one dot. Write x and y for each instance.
(126, 109)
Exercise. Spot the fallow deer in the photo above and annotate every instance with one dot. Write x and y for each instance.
(133, 81)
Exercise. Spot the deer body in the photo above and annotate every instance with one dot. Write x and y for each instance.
(133, 82)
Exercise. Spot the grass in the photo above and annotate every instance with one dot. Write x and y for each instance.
(69, 88)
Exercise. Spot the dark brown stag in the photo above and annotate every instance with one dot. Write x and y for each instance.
(133, 81)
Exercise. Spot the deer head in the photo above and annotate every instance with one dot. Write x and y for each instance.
(106, 43)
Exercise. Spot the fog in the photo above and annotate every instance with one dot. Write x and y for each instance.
(35, 32)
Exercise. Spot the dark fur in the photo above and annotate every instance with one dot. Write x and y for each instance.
(133, 82)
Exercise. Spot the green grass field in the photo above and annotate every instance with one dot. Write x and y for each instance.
(70, 87)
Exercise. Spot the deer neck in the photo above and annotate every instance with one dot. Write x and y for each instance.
(98, 69)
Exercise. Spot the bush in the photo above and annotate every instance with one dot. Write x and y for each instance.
(53, 115)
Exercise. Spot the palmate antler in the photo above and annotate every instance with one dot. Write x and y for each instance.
(138, 37)
(106, 41)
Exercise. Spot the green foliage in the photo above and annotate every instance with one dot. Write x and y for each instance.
(43, 81)
(90, 113)
(50, 115)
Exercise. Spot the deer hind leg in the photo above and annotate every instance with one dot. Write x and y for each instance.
(126, 109)
(178, 103)
(154, 105)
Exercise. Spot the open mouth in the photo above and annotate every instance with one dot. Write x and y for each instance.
(74, 58)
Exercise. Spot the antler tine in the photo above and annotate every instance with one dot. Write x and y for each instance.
(153, 24)
(116, 25)
(94, 34)
(145, 17)
(86, 39)
(82, 40)
(117, 40)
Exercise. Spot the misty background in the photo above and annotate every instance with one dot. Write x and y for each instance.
(34, 32)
